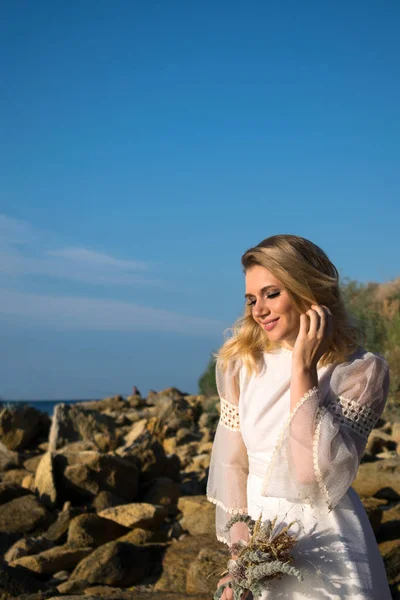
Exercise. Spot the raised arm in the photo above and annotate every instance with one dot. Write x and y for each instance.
(323, 439)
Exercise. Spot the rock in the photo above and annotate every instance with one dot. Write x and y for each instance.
(380, 479)
(53, 560)
(201, 462)
(198, 515)
(91, 530)
(110, 593)
(106, 500)
(390, 528)
(205, 571)
(379, 441)
(184, 436)
(72, 423)
(31, 464)
(10, 491)
(390, 552)
(165, 492)
(45, 485)
(26, 546)
(139, 536)
(16, 582)
(61, 576)
(178, 559)
(101, 472)
(28, 483)
(58, 531)
(15, 476)
(140, 514)
(374, 510)
(20, 425)
(115, 563)
(149, 454)
(396, 432)
(8, 458)
(23, 515)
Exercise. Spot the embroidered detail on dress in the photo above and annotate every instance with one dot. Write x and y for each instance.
(358, 417)
(229, 415)
(278, 444)
(228, 509)
(318, 475)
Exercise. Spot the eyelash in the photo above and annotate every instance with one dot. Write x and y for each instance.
(275, 295)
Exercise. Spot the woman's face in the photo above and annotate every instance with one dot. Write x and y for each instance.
(272, 307)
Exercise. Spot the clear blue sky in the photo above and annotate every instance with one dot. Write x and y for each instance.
(145, 145)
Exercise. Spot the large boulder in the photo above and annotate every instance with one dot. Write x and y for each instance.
(198, 515)
(72, 423)
(115, 563)
(26, 546)
(20, 425)
(45, 485)
(179, 559)
(165, 492)
(87, 474)
(9, 491)
(205, 571)
(138, 514)
(23, 515)
(58, 530)
(8, 458)
(380, 479)
(52, 560)
(91, 530)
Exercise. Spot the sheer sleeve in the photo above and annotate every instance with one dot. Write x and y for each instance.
(227, 480)
(320, 446)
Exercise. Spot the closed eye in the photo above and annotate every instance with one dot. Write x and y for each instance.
(253, 301)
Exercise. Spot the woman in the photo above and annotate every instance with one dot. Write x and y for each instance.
(299, 397)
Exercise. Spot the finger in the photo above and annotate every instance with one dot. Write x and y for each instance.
(303, 326)
(323, 317)
(313, 322)
(329, 322)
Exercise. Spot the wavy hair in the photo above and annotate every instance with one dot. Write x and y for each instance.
(309, 278)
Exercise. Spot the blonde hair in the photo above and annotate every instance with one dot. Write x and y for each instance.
(309, 278)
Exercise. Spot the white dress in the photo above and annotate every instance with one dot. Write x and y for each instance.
(300, 466)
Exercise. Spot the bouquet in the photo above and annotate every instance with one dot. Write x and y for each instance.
(264, 557)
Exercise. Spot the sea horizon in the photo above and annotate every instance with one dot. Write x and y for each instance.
(47, 405)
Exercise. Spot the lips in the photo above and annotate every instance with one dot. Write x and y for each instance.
(268, 325)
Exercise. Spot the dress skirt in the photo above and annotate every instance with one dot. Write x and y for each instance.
(337, 553)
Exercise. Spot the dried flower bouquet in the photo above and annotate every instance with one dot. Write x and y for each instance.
(264, 557)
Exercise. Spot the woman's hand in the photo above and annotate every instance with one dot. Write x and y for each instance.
(314, 337)
(227, 594)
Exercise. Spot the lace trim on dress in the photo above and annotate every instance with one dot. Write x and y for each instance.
(358, 417)
(228, 509)
(229, 415)
(318, 475)
(220, 538)
(278, 444)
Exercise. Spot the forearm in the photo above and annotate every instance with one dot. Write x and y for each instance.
(302, 426)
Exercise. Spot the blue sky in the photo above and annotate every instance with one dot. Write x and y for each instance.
(146, 145)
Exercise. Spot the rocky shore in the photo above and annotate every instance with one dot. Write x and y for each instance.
(107, 499)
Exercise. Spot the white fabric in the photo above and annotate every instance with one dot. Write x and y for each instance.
(301, 465)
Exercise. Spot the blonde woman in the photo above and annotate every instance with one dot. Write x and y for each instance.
(299, 397)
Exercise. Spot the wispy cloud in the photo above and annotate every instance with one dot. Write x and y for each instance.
(68, 312)
(83, 255)
(27, 251)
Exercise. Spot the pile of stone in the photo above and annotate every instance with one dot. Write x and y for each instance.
(107, 499)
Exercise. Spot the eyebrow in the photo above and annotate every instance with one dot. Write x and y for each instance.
(264, 289)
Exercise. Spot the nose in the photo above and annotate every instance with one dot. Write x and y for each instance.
(260, 309)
